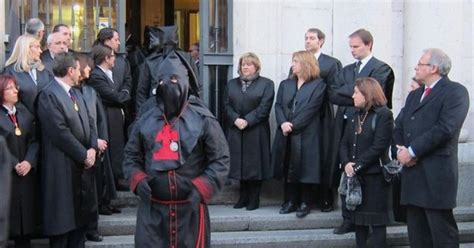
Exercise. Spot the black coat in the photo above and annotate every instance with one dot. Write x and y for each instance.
(29, 90)
(341, 95)
(47, 60)
(432, 129)
(148, 79)
(115, 96)
(302, 108)
(24, 206)
(66, 137)
(5, 178)
(182, 187)
(249, 148)
(104, 174)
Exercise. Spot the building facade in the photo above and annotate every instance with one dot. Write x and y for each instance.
(274, 29)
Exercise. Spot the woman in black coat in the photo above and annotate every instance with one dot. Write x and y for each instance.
(248, 100)
(295, 153)
(364, 148)
(26, 66)
(17, 126)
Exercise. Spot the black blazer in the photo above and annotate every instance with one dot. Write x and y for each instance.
(29, 90)
(432, 129)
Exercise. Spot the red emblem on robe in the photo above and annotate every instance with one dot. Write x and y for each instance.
(166, 136)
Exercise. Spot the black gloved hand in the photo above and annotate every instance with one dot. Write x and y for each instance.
(144, 191)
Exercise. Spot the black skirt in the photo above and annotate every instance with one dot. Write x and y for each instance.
(374, 207)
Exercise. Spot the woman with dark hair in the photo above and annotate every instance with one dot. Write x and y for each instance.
(248, 101)
(17, 126)
(296, 156)
(364, 148)
(26, 66)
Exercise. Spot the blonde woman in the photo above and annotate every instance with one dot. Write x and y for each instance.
(296, 159)
(26, 66)
(248, 100)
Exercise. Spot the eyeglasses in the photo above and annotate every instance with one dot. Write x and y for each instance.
(420, 64)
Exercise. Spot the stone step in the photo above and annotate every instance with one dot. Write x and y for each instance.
(226, 219)
(396, 236)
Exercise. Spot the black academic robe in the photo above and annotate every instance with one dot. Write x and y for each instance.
(431, 127)
(297, 156)
(66, 136)
(28, 88)
(5, 176)
(249, 148)
(115, 96)
(341, 94)
(103, 169)
(24, 206)
(148, 79)
(47, 60)
(177, 214)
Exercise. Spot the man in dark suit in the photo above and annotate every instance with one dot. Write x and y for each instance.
(56, 43)
(427, 135)
(329, 66)
(360, 42)
(119, 81)
(69, 145)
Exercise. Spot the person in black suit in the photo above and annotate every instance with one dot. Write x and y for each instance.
(17, 126)
(360, 42)
(115, 89)
(30, 73)
(248, 101)
(5, 184)
(298, 137)
(365, 143)
(56, 44)
(427, 140)
(69, 145)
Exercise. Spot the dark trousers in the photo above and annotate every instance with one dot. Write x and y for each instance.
(431, 228)
(379, 236)
(298, 193)
(346, 214)
(73, 239)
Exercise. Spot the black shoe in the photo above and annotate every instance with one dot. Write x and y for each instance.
(94, 236)
(303, 210)
(241, 203)
(104, 210)
(114, 210)
(346, 227)
(253, 205)
(326, 207)
(287, 208)
(121, 185)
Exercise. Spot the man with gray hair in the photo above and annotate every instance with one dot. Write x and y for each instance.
(56, 43)
(426, 134)
(35, 27)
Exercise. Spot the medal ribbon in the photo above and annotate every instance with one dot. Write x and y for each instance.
(13, 119)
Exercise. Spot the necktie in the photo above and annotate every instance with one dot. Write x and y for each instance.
(357, 68)
(72, 95)
(426, 93)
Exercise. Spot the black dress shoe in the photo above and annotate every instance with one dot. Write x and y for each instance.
(287, 207)
(104, 210)
(241, 203)
(303, 210)
(94, 236)
(114, 210)
(326, 207)
(346, 227)
(122, 185)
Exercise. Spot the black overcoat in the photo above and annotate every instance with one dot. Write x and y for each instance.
(66, 137)
(5, 185)
(24, 206)
(302, 108)
(115, 96)
(28, 88)
(432, 128)
(341, 94)
(249, 148)
(178, 211)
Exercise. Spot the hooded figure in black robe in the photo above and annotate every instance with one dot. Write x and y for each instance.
(176, 159)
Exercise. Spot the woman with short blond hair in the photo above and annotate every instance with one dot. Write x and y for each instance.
(296, 156)
(26, 66)
(248, 101)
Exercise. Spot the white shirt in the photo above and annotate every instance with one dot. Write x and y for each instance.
(108, 73)
(364, 61)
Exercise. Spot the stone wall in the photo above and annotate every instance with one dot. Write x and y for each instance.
(274, 29)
